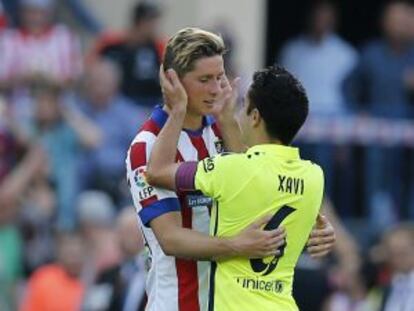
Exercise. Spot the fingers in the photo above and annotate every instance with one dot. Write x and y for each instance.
(275, 243)
(275, 240)
(224, 82)
(319, 251)
(321, 221)
(260, 222)
(321, 240)
(272, 253)
(277, 233)
(322, 232)
(175, 81)
(235, 84)
(164, 81)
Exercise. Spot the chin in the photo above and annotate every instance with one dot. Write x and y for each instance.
(203, 111)
(200, 109)
(208, 110)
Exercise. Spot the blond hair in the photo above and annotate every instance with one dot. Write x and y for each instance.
(188, 45)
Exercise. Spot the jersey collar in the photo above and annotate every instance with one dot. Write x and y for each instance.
(282, 151)
(160, 116)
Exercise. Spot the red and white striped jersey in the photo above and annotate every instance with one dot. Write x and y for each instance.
(55, 53)
(172, 284)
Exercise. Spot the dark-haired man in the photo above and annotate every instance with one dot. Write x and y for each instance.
(269, 178)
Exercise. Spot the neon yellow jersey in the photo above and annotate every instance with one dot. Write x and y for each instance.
(266, 180)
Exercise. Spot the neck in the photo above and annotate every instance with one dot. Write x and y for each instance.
(191, 121)
(262, 138)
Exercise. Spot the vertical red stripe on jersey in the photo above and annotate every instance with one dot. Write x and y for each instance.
(138, 155)
(150, 126)
(179, 157)
(199, 144)
(187, 273)
(216, 130)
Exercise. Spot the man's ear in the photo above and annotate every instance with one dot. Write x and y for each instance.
(256, 118)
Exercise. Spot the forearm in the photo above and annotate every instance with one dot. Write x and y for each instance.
(161, 165)
(231, 133)
(252, 242)
(186, 243)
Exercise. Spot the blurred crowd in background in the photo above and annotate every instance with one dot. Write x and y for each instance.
(69, 238)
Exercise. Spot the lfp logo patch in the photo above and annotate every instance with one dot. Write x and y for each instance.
(139, 177)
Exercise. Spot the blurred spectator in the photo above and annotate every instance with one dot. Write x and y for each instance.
(61, 132)
(7, 142)
(313, 287)
(376, 85)
(11, 257)
(138, 53)
(57, 286)
(39, 46)
(355, 289)
(351, 279)
(118, 119)
(96, 215)
(16, 182)
(321, 60)
(26, 192)
(78, 8)
(399, 251)
(379, 86)
(122, 287)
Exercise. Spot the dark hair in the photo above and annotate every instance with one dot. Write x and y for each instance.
(281, 101)
(144, 11)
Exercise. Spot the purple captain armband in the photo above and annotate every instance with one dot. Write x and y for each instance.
(185, 176)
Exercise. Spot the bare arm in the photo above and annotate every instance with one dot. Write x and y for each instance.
(253, 242)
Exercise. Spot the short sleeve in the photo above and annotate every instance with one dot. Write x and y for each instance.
(150, 202)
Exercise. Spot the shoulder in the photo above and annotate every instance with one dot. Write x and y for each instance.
(315, 170)
(342, 44)
(227, 162)
(140, 148)
(148, 131)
